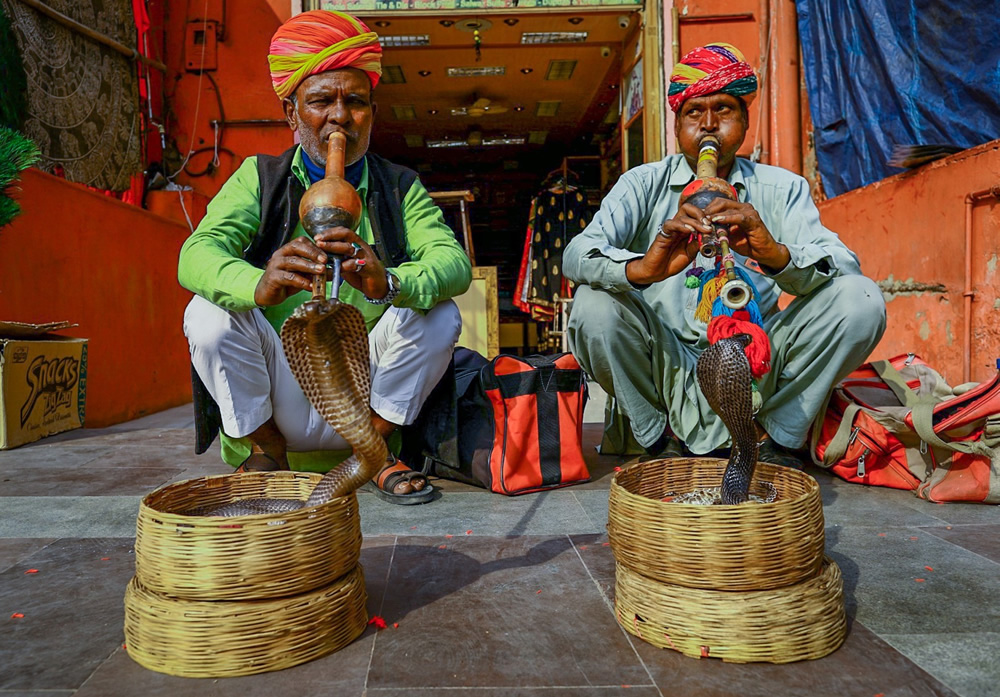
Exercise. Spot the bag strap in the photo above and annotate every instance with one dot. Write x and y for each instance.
(837, 447)
(923, 424)
(897, 383)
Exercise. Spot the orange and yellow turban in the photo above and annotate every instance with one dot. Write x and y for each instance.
(713, 68)
(320, 40)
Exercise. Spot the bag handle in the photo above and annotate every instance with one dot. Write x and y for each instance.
(923, 424)
(837, 447)
(897, 383)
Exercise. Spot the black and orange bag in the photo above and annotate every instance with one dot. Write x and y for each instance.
(514, 425)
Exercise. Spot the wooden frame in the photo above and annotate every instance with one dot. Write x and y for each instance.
(480, 311)
(450, 198)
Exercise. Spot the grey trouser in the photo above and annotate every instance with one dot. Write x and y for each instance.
(816, 341)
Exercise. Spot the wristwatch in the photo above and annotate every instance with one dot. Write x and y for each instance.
(390, 294)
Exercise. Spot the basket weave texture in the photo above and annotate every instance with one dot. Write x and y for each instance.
(798, 622)
(248, 557)
(745, 547)
(192, 638)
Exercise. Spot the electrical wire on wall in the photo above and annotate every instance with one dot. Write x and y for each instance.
(197, 103)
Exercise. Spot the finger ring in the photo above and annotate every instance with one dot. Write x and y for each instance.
(357, 248)
(360, 263)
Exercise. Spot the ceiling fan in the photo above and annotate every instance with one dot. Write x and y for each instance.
(480, 107)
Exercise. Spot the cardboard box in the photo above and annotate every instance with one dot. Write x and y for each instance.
(43, 382)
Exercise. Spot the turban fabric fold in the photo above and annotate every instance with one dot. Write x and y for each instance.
(713, 68)
(320, 40)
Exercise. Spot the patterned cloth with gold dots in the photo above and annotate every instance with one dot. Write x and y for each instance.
(557, 215)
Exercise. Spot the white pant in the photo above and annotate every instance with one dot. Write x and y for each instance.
(239, 357)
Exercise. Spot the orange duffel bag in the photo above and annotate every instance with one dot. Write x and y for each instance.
(898, 423)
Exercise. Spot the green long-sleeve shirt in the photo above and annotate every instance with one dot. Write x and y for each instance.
(211, 265)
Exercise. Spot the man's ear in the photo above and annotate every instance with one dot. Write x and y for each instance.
(291, 113)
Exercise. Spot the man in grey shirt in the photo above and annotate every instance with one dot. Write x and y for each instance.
(633, 326)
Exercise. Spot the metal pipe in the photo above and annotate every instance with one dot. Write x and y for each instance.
(967, 293)
(93, 35)
(247, 122)
(786, 121)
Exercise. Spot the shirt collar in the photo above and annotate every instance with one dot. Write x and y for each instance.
(683, 175)
(299, 170)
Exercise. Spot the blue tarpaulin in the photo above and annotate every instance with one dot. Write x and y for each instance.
(897, 72)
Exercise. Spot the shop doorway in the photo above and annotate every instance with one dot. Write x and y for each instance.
(508, 106)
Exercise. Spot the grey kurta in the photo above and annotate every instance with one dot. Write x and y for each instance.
(641, 345)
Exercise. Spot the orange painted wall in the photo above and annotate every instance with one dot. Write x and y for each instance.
(911, 228)
(77, 255)
(239, 88)
(750, 25)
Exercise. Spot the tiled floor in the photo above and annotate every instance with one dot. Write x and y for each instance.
(493, 597)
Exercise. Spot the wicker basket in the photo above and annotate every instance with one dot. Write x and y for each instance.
(745, 547)
(798, 622)
(203, 639)
(255, 556)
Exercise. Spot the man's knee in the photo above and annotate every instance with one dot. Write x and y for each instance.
(205, 325)
(858, 303)
(594, 313)
(442, 326)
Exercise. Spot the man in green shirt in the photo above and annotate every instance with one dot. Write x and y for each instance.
(633, 325)
(250, 264)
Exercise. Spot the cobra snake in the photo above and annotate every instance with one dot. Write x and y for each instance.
(326, 343)
(723, 373)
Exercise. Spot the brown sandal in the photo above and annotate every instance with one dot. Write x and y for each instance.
(394, 473)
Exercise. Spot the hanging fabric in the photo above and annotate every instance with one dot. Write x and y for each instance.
(558, 214)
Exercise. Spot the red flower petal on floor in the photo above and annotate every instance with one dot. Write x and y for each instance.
(378, 622)
(413, 527)
(618, 469)
(914, 538)
(31, 571)
(881, 534)
(919, 580)
(105, 558)
(449, 536)
(395, 625)
(442, 546)
(538, 591)
(17, 615)
(929, 568)
(468, 532)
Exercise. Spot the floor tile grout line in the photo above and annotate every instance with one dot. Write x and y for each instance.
(505, 687)
(964, 549)
(924, 668)
(381, 604)
(611, 609)
(601, 528)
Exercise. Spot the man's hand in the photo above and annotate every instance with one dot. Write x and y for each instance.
(360, 267)
(292, 267)
(747, 233)
(289, 270)
(673, 249)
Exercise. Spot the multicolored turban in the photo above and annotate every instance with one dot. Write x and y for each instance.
(320, 40)
(712, 68)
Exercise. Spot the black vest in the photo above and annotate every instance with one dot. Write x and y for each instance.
(281, 191)
(280, 194)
